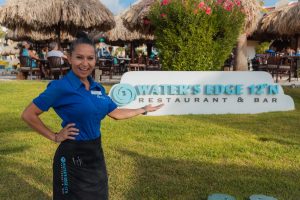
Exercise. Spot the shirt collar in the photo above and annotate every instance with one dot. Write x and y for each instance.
(76, 83)
(93, 84)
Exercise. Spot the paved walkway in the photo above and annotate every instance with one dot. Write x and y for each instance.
(294, 82)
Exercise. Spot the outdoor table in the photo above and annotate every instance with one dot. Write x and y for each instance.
(124, 59)
(137, 66)
(102, 61)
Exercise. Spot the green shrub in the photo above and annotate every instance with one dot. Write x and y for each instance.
(261, 48)
(196, 35)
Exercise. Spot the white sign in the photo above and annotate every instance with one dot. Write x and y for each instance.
(201, 92)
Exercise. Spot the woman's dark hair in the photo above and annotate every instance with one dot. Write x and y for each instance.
(82, 38)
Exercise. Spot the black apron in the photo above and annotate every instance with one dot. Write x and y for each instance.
(79, 171)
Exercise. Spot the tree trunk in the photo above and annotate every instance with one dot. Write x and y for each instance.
(240, 59)
(132, 51)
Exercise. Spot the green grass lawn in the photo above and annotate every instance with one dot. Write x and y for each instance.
(169, 157)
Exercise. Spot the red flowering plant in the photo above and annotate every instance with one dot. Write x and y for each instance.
(196, 34)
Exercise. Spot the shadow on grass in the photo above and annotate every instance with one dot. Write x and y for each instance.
(18, 180)
(282, 128)
(279, 141)
(157, 178)
(11, 150)
(12, 122)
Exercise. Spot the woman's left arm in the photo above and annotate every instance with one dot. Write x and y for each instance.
(123, 113)
(33, 56)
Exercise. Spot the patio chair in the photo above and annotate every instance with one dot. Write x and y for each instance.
(272, 64)
(57, 69)
(106, 67)
(26, 67)
(116, 67)
(152, 65)
(284, 68)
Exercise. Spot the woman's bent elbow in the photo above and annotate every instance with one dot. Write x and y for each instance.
(25, 116)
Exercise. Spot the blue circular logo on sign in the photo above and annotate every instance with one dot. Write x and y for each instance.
(123, 94)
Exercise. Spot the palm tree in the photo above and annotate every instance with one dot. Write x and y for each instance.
(252, 10)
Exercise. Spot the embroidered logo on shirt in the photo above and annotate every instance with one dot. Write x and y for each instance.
(98, 93)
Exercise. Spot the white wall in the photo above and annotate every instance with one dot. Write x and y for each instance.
(251, 44)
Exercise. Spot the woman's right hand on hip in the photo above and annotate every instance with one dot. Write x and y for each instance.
(67, 133)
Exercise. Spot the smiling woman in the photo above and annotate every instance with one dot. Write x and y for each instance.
(83, 59)
(79, 170)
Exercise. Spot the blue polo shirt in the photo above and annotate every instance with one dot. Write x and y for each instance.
(74, 104)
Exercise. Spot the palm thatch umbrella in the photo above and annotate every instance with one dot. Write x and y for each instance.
(57, 16)
(282, 22)
(252, 9)
(20, 34)
(121, 34)
(136, 17)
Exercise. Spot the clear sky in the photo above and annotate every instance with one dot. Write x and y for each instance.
(270, 2)
(117, 6)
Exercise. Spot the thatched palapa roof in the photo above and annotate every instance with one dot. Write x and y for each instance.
(281, 22)
(60, 15)
(20, 34)
(252, 9)
(133, 18)
(121, 34)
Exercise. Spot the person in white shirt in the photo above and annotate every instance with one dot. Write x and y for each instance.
(55, 52)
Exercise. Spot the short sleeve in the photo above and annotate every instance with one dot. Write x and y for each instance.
(48, 98)
(111, 104)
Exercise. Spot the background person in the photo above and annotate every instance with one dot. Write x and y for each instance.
(79, 170)
(103, 50)
(55, 52)
(26, 50)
